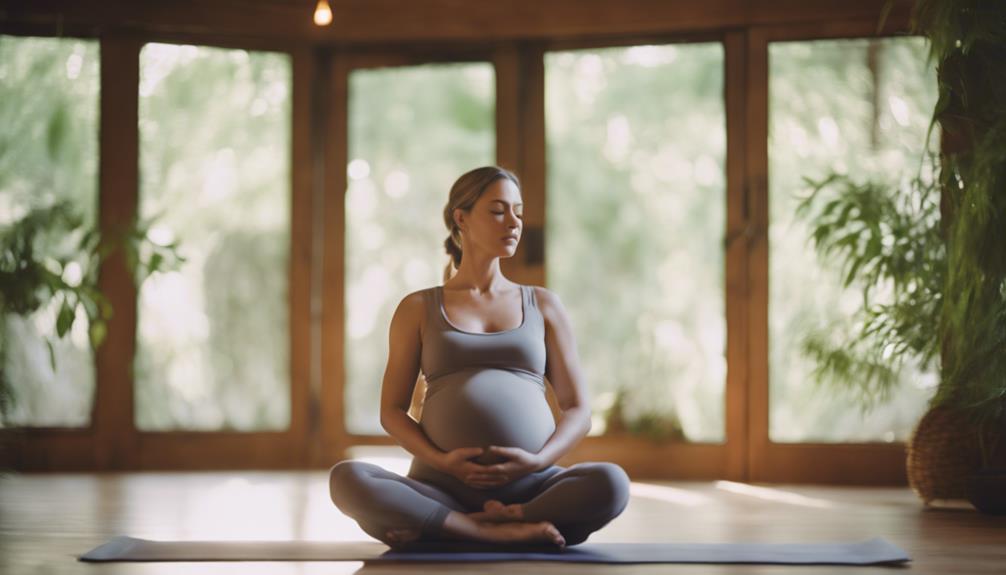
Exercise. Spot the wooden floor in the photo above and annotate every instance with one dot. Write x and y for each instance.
(46, 520)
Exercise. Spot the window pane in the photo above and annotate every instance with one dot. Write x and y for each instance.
(859, 107)
(412, 132)
(49, 91)
(213, 338)
(636, 218)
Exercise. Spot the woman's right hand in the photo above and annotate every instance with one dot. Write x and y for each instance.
(456, 463)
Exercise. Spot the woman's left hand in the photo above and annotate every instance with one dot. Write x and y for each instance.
(519, 463)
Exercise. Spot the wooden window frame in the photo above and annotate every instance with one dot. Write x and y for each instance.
(111, 440)
(322, 61)
(857, 463)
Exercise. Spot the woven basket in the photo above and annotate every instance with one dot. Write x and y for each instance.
(942, 453)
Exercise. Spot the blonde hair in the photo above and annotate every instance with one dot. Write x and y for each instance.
(466, 190)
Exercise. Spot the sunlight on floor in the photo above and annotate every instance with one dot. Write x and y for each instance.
(772, 494)
(667, 494)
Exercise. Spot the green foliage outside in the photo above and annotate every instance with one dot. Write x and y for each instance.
(213, 337)
(856, 109)
(48, 161)
(635, 225)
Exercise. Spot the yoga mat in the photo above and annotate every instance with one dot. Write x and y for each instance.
(866, 552)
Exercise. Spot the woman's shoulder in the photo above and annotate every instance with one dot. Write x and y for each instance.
(545, 298)
(415, 298)
(414, 302)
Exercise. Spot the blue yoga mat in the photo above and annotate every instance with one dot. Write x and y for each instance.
(866, 552)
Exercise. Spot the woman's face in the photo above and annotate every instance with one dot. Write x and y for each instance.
(494, 224)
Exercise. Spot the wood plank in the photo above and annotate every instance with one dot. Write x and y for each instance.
(336, 146)
(380, 21)
(735, 260)
(301, 435)
(112, 415)
(756, 193)
(834, 463)
(533, 161)
(321, 63)
(42, 449)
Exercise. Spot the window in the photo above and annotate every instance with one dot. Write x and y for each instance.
(860, 107)
(49, 89)
(213, 337)
(636, 143)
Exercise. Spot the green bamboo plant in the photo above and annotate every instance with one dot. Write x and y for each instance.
(878, 236)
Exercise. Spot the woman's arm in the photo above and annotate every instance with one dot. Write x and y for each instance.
(404, 350)
(562, 368)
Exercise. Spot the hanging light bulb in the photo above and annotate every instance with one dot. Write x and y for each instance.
(322, 13)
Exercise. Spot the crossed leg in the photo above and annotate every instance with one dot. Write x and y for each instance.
(396, 510)
(381, 501)
(579, 500)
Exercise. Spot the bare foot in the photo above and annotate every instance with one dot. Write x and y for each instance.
(495, 512)
(458, 525)
(403, 535)
(522, 532)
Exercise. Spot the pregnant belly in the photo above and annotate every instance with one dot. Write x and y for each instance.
(483, 407)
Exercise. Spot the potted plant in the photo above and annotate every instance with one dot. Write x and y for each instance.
(968, 41)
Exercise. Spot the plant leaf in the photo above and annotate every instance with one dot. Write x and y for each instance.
(52, 354)
(97, 333)
(65, 320)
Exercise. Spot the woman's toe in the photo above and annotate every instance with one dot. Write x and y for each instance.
(513, 511)
(492, 505)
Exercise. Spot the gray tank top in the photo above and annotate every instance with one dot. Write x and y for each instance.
(485, 388)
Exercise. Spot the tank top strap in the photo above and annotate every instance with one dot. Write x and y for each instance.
(529, 298)
(430, 296)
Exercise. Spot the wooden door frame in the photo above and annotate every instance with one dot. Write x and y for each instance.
(111, 441)
(873, 463)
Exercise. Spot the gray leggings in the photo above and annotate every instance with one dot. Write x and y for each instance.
(578, 500)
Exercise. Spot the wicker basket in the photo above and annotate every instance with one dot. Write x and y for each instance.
(942, 453)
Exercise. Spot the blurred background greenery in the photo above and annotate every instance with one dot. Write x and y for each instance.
(48, 154)
(635, 221)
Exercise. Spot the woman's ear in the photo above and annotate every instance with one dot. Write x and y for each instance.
(459, 218)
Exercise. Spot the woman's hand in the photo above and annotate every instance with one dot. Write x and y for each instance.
(457, 462)
(518, 464)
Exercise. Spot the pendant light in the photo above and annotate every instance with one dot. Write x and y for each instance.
(322, 13)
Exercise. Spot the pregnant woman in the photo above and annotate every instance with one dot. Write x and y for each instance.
(486, 443)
